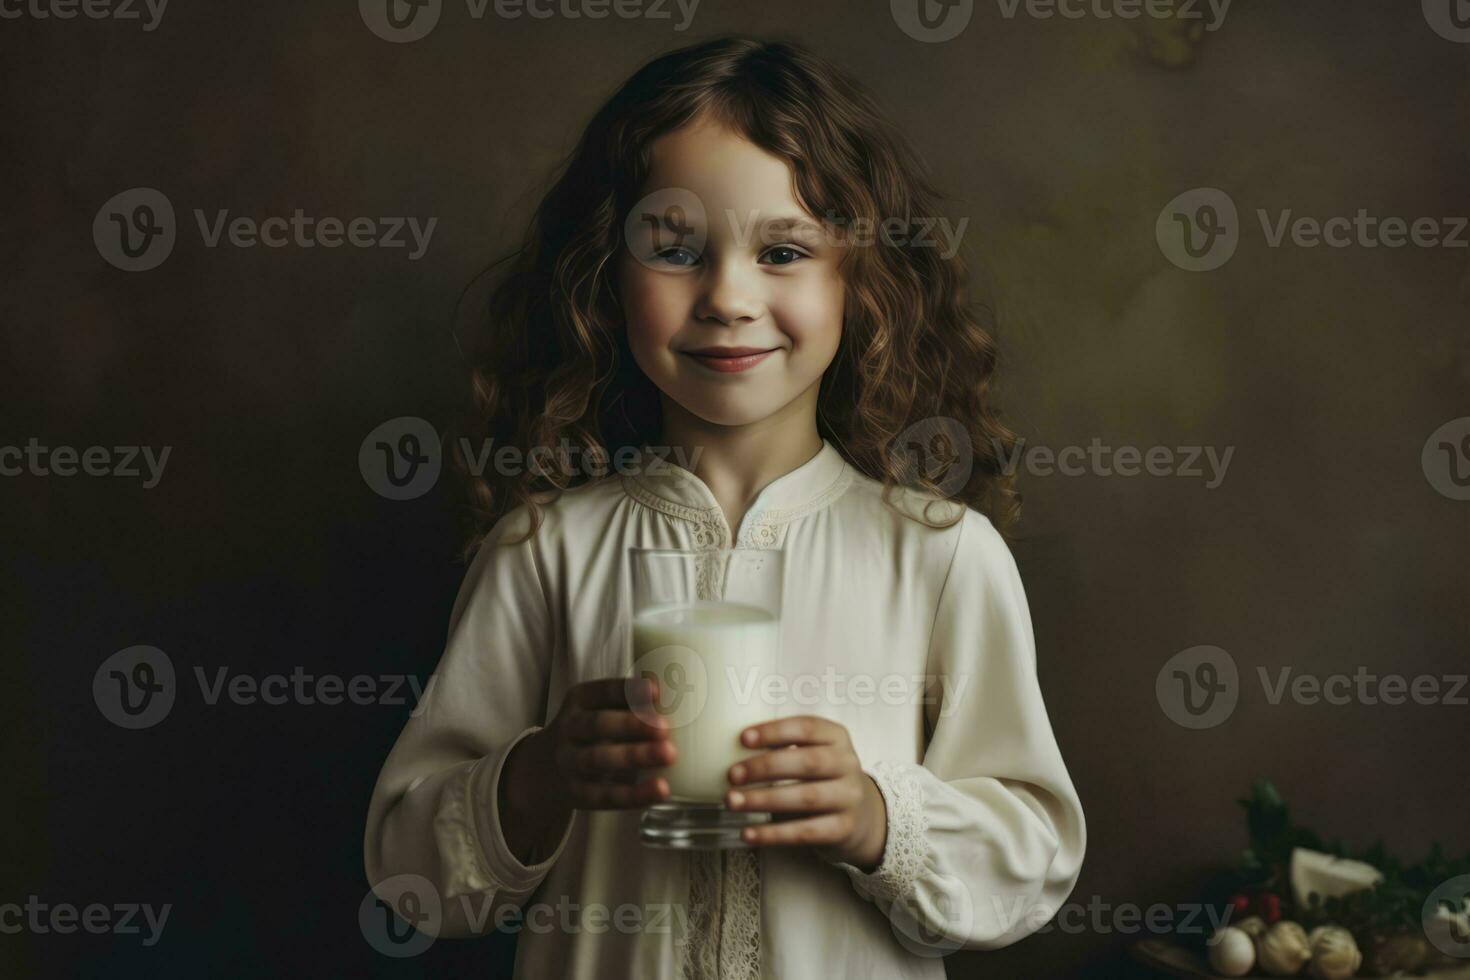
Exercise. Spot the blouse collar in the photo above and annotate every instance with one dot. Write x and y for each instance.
(668, 487)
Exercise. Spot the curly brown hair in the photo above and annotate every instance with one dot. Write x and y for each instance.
(555, 369)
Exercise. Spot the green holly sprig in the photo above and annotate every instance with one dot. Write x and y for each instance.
(1394, 905)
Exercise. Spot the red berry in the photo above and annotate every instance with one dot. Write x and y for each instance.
(1270, 908)
(1239, 905)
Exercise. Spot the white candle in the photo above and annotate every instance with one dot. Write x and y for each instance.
(710, 659)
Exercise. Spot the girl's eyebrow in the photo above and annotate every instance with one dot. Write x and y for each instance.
(790, 224)
(796, 227)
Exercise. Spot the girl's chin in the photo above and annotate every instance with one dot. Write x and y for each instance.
(735, 415)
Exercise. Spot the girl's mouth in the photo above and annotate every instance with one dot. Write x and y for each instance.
(731, 360)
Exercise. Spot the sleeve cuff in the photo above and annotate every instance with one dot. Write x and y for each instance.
(903, 850)
(472, 848)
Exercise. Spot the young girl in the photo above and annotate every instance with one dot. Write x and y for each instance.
(726, 294)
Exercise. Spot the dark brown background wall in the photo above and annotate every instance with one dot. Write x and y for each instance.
(1327, 547)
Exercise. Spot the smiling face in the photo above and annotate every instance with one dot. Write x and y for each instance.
(728, 264)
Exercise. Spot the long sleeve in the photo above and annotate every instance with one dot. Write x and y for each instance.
(433, 812)
(986, 836)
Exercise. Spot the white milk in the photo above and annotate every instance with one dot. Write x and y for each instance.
(710, 659)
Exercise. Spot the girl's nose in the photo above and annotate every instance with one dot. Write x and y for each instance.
(729, 295)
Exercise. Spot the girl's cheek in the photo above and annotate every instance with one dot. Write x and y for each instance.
(654, 311)
(810, 311)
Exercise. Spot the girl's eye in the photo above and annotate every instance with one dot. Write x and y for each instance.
(784, 255)
(681, 257)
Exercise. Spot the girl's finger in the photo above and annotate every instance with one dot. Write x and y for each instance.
(609, 723)
(829, 828)
(614, 692)
(800, 730)
(612, 796)
(825, 796)
(612, 756)
(816, 762)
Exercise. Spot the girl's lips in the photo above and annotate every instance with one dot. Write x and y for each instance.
(730, 364)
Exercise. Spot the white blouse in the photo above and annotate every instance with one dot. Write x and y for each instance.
(917, 639)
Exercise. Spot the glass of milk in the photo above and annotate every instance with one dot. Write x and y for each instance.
(707, 627)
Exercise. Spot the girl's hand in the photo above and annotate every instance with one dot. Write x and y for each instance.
(846, 818)
(591, 755)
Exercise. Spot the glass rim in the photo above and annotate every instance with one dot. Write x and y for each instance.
(632, 550)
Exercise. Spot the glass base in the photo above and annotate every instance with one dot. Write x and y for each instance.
(696, 826)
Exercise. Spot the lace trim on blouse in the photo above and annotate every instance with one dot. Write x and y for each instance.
(903, 852)
(724, 902)
(463, 865)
